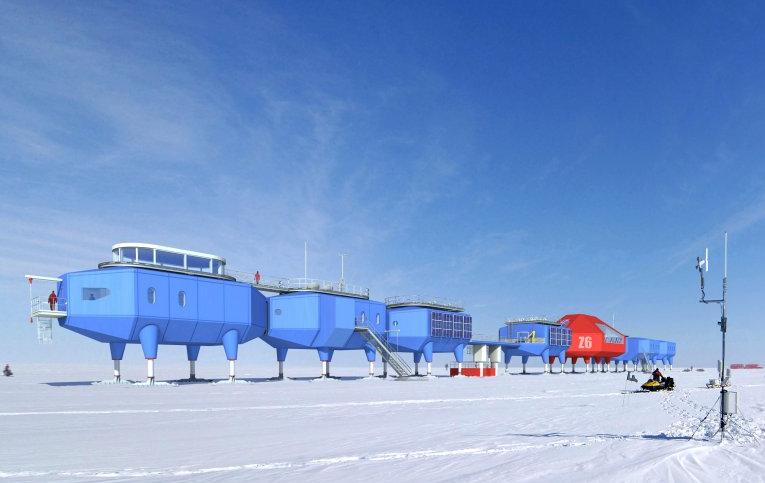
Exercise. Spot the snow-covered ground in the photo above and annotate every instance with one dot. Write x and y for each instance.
(55, 425)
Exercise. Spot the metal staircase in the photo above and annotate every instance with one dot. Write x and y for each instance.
(382, 346)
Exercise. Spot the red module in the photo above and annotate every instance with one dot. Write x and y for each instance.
(592, 339)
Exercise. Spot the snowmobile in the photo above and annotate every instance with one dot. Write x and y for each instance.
(665, 384)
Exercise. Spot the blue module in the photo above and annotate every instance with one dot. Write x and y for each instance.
(159, 295)
(634, 347)
(326, 322)
(654, 351)
(423, 328)
(667, 352)
(535, 337)
(647, 352)
(670, 354)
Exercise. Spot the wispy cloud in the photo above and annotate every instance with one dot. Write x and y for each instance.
(738, 222)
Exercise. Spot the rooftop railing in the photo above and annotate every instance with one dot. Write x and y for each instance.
(529, 320)
(441, 302)
(524, 340)
(284, 284)
(509, 340)
(486, 337)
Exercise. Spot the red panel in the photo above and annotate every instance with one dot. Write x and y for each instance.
(588, 340)
(473, 371)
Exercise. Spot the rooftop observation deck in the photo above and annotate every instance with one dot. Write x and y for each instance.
(167, 259)
(439, 303)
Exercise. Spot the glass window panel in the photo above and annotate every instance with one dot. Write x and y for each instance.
(217, 267)
(611, 336)
(169, 259)
(197, 263)
(94, 293)
(182, 298)
(128, 254)
(116, 255)
(151, 295)
(146, 255)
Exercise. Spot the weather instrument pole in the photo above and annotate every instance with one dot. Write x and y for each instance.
(703, 266)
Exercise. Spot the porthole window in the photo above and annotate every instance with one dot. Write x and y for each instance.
(278, 311)
(151, 295)
(395, 323)
(182, 298)
(377, 319)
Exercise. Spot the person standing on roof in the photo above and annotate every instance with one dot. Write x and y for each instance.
(52, 299)
(257, 277)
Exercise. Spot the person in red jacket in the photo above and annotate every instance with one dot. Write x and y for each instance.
(52, 299)
(257, 277)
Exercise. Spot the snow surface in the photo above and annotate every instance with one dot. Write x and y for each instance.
(57, 425)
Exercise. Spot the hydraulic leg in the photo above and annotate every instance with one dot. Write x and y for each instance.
(149, 337)
(232, 370)
(231, 347)
(150, 371)
(192, 354)
(117, 350)
(281, 356)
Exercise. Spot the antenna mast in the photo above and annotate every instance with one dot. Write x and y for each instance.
(342, 270)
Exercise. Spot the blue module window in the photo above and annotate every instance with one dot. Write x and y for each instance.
(89, 293)
(560, 336)
(448, 325)
(458, 326)
(436, 326)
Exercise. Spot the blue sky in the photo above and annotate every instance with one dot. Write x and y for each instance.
(524, 157)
